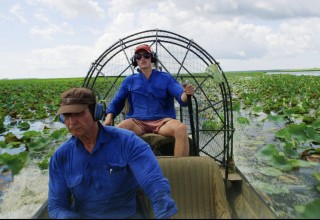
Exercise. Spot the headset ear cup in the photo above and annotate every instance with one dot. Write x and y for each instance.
(134, 62)
(154, 57)
(98, 112)
(61, 118)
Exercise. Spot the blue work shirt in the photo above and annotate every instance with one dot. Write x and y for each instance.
(150, 99)
(104, 184)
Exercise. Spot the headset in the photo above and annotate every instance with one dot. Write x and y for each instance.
(154, 59)
(97, 112)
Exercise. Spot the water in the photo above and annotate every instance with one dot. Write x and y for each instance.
(23, 196)
(282, 191)
(6, 176)
(29, 190)
(34, 126)
(305, 73)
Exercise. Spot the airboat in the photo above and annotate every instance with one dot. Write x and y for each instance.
(207, 184)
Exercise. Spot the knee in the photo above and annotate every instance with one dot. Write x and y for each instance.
(126, 124)
(181, 130)
(130, 125)
(120, 125)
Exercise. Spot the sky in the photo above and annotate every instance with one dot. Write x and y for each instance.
(61, 38)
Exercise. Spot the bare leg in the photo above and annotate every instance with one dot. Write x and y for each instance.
(130, 125)
(178, 130)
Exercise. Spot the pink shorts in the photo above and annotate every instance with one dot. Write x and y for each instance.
(151, 126)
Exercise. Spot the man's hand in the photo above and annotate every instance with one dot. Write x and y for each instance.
(188, 89)
(109, 119)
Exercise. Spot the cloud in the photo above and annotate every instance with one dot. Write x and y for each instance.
(66, 36)
(3, 18)
(59, 62)
(18, 12)
(41, 16)
(279, 9)
(48, 32)
(71, 9)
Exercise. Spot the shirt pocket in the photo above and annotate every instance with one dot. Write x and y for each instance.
(115, 170)
(139, 95)
(76, 185)
(74, 180)
(159, 91)
(116, 179)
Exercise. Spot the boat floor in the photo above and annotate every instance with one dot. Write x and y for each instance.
(244, 200)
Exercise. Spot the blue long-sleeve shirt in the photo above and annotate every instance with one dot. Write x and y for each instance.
(103, 184)
(150, 99)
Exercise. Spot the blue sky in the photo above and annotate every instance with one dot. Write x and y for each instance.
(60, 38)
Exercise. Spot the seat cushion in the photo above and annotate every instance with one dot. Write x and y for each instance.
(163, 146)
(196, 186)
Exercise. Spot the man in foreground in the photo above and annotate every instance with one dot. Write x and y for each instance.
(97, 172)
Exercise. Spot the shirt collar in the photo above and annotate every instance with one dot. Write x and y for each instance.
(103, 137)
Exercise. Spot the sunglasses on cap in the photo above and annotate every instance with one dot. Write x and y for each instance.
(138, 56)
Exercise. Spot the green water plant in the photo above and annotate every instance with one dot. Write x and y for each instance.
(295, 139)
(310, 210)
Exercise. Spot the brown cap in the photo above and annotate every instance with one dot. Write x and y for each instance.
(75, 100)
(143, 47)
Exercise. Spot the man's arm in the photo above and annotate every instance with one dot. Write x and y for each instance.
(180, 92)
(147, 171)
(59, 197)
(118, 102)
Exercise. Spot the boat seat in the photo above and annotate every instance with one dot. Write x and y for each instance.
(163, 146)
(196, 186)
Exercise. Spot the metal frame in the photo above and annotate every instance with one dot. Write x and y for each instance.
(210, 116)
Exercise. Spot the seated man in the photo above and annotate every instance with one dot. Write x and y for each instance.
(151, 96)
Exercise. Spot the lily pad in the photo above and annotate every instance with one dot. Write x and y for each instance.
(309, 211)
(24, 126)
(270, 188)
(280, 162)
(15, 162)
(243, 120)
(271, 171)
(267, 152)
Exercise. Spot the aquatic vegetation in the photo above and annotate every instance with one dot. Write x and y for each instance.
(290, 103)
